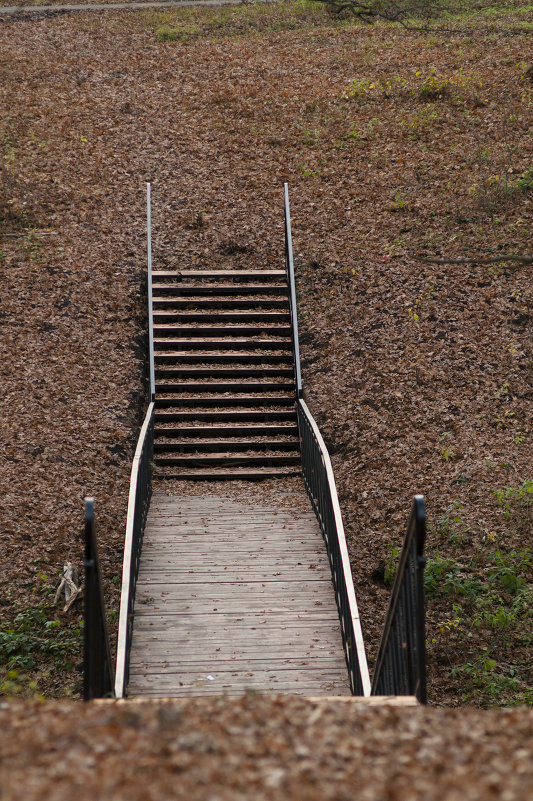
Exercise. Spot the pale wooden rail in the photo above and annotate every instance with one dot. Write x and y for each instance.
(235, 596)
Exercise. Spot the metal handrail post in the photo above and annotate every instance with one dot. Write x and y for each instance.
(292, 288)
(150, 309)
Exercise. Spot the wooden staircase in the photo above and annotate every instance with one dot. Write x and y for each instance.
(224, 368)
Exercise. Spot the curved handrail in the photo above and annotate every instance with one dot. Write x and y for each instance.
(320, 485)
(138, 503)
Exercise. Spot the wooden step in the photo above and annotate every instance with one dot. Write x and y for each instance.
(227, 460)
(218, 303)
(226, 331)
(223, 372)
(232, 344)
(216, 445)
(233, 473)
(208, 289)
(217, 318)
(215, 358)
(227, 275)
(225, 415)
(229, 430)
(223, 386)
(221, 401)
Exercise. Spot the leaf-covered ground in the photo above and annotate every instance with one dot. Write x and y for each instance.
(265, 748)
(401, 148)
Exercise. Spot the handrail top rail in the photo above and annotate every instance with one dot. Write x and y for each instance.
(126, 564)
(343, 548)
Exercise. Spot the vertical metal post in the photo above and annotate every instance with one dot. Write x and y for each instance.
(150, 309)
(292, 286)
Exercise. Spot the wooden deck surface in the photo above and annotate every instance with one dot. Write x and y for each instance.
(232, 597)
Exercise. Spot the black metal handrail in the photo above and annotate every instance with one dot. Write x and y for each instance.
(138, 504)
(320, 485)
(97, 662)
(401, 661)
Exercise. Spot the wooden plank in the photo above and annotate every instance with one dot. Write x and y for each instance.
(262, 561)
(245, 658)
(156, 651)
(246, 590)
(179, 606)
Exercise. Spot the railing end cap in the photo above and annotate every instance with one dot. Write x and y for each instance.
(89, 507)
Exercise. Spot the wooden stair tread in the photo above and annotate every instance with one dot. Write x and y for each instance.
(215, 371)
(224, 386)
(229, 474)
(242, 342)
(188, 357)
(220, 302)
(227, 430)
(203, 444)
(226, 460)
(227, 330)
(224, 289)
(234, 314)
(205, 274)
(227, 415)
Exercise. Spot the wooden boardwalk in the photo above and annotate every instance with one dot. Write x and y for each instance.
(234, 596)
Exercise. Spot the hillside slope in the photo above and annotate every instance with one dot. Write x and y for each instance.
(401, 148)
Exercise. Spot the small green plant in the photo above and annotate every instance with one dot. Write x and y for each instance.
(495, 683)
(434, 87)
(359, 89)
(400, 201)
(525, 182)
(438, 569)
(447, 450)
(517, 501)
(307, 172)
(33, 639)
